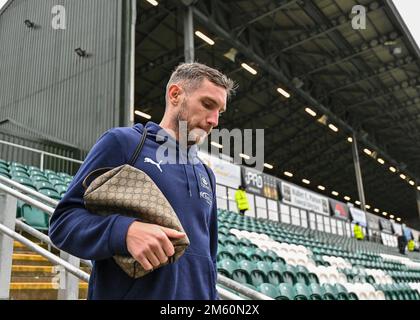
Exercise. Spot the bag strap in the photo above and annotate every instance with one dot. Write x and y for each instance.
(100, 171)
(94, 174)
(138, 149)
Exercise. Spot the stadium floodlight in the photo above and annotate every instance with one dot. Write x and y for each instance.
(245, 156)
(367, 206)
(311, 112)
(403, 176)
(249, 68)
(289, 174)
(398, 219)
(333, 127)
(392, 169)
(321, 187)
(217, 145)
(283, 92)
(335, 193)
(306, 181)
(376, 210)
(367, 151)
(411, 182)
(269, 166)
(392, 216)
(153, 2)
(80, 52)
(357, 202)
(347, 198)
(350, 139)
(142, 114)
(29, 23)
(381, 161)
(418, 188)
(203, 37)
(385, 213)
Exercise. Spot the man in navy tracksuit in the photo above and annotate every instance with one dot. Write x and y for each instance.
(195, 94)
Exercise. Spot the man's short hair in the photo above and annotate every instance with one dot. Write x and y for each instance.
(191, 75)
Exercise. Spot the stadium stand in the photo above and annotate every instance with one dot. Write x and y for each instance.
(282, 261)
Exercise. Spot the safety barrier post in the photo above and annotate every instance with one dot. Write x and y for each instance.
(8, 205)
(68, 283)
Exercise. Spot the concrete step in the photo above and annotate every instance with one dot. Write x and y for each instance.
(30, 259)
(40, 291)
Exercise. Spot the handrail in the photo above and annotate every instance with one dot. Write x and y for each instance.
(44, 238)
(30, 191)
(241, 288)
(45, 253)
(227, 295)
(27, 199)
(221, 279)
(40, 151)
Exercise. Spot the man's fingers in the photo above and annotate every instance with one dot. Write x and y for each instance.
(153, 259)
(145, 263)
(172, 233)
(168, 247)
(161, 255)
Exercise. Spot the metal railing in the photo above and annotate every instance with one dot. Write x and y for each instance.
(17, 193)
(41, 152)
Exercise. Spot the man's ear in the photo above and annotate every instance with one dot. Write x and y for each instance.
(174, 94)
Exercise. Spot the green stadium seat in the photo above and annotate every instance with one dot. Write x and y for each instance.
(260, 272)
(269, 290)
(44, 185)
(17, 173)
(342, 293)
(289, 274)
(5, 174)
(317, 292)
(50, 193)
(35, 217)
(61, 189)
(223, 253)
(330, 292)
(55, 182)
(25, 181)
(302, 292)
(243, 273)
(286, 292)
(302, 274)
(226, 267)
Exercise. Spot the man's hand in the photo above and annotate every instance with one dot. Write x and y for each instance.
(149, 243)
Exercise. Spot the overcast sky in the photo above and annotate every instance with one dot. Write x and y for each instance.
(409, 11)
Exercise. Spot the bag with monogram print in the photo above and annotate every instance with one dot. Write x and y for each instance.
(131, 192)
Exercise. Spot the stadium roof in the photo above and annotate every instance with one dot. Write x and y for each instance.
(361, 81)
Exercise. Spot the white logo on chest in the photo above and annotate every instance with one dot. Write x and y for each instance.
(148, 160)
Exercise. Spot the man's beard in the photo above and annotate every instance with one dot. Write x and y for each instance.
(193, 135)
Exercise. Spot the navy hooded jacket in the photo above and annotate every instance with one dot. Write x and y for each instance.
(188, 189)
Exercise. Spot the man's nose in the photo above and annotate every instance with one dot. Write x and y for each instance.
(213, 118)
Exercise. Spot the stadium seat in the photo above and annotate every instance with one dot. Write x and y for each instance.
(35, 217)
(19, 173)
(286, 292)
(50, 193)
(226, 267)
(330, 292)
(302, 292)
(316, 292)
(269, 290)
(243, 272)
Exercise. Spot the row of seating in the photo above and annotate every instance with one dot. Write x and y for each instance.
(362, 274)
(46, 182)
